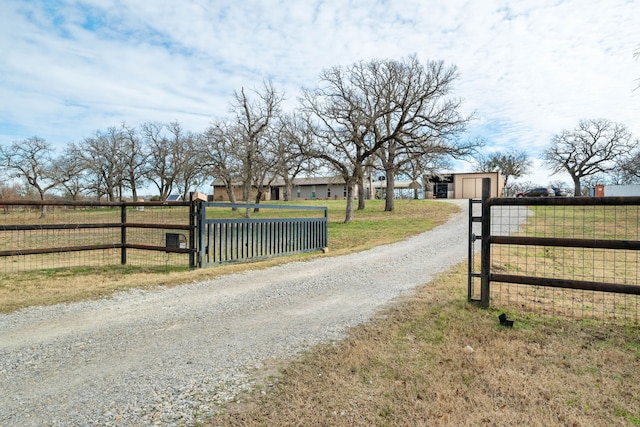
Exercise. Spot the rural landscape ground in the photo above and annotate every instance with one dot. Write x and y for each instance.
(429, 359)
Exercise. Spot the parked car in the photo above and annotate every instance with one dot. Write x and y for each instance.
(560, 192)
(538, 192)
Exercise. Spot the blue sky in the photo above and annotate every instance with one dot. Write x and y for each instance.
(529, 69)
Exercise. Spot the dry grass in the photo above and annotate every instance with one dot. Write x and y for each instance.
(434, 359)
(598, 265)
(431, 359)
(73, 282)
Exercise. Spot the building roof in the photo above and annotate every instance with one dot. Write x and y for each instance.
(279, 182)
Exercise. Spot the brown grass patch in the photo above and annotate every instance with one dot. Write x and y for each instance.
(434, 359)
(616, 266)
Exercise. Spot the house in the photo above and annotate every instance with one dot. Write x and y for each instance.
(452, 186)
(301, 189)
(332, 187)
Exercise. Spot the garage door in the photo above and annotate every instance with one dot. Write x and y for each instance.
(471, 188)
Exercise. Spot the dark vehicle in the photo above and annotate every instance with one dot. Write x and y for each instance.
(538, 192)
(560, 192)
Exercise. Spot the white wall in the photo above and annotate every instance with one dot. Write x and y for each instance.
(622, 190)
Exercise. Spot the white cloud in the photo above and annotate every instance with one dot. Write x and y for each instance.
(528, 68)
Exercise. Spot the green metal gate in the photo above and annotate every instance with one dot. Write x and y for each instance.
(224, 240)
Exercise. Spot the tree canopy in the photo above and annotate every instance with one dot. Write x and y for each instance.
(395, 112)
(594, 146)
(512, 163)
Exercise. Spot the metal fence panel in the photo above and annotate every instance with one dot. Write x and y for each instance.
(574, 256)
(226, 240)
(37, 235)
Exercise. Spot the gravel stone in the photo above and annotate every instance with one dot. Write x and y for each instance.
(170, 357)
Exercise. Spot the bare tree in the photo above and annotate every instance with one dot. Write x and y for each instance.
(219, 158)
(342, 122)
(266, 164)
(9, 192)
(31, 160)
(593, 147)
(293, 137)
(512, 163)
(135, 156)
(172, 162)
(629, 168)
(103, 156)
(161, 164)
(190, 168)
(414, 115)
(253, 116)
(72, 175)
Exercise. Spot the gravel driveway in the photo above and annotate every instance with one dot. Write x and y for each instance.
(169, 356)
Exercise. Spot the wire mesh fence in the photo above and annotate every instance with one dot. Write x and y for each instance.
(38, 236)
(576, 257)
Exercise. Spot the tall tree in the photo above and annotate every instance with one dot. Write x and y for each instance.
(218, 156)
(172, 160)
(103, 154)
(135, 156)
(593, 147)
(340, 112)
(628, 171)
(31, 160)
(414, 114)
(292, 138)
(190, 169)
(72, 174)
(254, 113)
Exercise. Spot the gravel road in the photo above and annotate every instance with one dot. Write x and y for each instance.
(170, 356)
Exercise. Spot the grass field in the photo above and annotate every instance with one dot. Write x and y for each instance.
(432, 359)
(435, 360)
(620, 267)
(371, 227)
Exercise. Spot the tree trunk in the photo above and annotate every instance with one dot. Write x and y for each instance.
(389, 202)
(578, 188)
(230, 194)
(259, 194)
(361, 196)
(246, 193)
(360, 187)
(287, 189)
(348, 217)
(43, 208)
